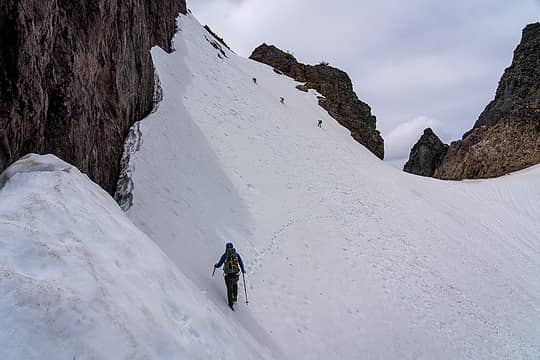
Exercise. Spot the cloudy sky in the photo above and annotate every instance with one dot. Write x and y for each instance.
(417, 63)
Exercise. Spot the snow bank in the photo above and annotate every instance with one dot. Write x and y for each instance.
(346, 257)
(32, 163)
(79, 281)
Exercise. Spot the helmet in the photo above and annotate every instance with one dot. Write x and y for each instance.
(229, 245)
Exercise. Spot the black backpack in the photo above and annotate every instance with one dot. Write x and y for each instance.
(231, 265)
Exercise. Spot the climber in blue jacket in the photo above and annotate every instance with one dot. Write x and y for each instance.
(232, 265)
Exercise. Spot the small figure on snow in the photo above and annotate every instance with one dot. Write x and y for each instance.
(282, 100)
(254, 81)
(319, 124)
(232, 265)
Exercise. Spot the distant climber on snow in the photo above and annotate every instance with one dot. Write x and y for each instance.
(319, 124)
(282, 100)
(232, 265)
(254, 80)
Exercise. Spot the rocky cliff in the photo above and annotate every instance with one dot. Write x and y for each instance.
(506, 136)
(339, 98)
(426, 155)
(519, 87)
(74, 75)
(511, 144)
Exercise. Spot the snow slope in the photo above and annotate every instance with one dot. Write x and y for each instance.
(347, 257)
(79, 281)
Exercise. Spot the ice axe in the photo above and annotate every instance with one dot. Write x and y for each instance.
(213, 271)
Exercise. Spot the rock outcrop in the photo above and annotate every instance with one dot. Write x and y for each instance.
(426, 155)
(75, 75)
(511, 144)
(217, 37)
(339, 98)
(506, 136)
(519, 87)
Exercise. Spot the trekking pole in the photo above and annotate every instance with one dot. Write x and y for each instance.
(245, 291)
(213, 271)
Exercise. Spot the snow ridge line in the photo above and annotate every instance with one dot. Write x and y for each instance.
(124, 187)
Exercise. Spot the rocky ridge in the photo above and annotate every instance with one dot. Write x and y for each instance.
(75, 75)
(519, 87)
(339, 98)
(511, 144)
(506, 136)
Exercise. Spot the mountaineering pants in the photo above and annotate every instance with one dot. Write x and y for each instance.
(231, 280)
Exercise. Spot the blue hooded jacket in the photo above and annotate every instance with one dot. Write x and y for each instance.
(224, 256)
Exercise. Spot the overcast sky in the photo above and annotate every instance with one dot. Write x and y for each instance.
(417, 63)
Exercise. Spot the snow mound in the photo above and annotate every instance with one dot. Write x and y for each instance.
(34, 163)
(79, 281)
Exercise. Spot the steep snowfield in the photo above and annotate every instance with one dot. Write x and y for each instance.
(79, 281)
(346, 257)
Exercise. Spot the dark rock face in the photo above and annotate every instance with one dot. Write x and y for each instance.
(426, 155)
(75, 75)
(216, 36)
(335, 85)
(506, 137)
(510, 145)
(519, 87)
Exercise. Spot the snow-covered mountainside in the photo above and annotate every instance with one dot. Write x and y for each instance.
(79, 281)
(346, 257)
